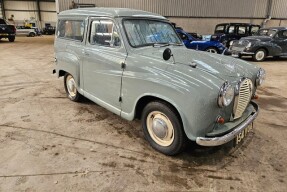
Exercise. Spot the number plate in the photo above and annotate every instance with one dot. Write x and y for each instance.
(242, 134)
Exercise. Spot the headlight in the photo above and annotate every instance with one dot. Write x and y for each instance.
(248, 45)
(230, 43)
(226, 95)
(260, 77)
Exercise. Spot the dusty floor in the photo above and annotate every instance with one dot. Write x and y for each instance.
(48, 143)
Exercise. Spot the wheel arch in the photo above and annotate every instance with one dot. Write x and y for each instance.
(214, 47)
(144, 100)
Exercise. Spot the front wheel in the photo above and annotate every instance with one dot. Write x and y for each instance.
(212, 50)
(71, 88)
(259, 55)
(163, 128)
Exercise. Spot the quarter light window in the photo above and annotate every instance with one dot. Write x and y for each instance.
(71, 29)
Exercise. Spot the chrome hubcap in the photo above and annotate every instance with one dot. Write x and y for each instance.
(211, 50)
(71, 86)
(160, 128)
(260, 55)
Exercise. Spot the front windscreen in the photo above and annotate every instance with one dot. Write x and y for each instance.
(142, 32)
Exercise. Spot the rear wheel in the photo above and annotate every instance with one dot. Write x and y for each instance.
(11, 39)
(211, 50)
(163, 128)
(71, 88)
(32, 34)
(259, 55)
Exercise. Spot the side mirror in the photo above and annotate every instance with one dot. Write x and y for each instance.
(166, 54)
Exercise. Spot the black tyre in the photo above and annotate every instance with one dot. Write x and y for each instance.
(32, 34)
(212, 50)
(11, 39)
(259, 55)
(163, 128)
(71, 88)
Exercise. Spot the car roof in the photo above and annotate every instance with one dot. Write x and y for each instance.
(235, 24)
(278, 28)
(110, 12)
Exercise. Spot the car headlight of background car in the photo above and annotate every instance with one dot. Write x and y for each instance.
(226, 95)
(260, 77)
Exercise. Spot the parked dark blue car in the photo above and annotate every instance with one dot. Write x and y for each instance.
(194, 43)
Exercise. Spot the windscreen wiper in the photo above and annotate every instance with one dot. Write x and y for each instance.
(166, 44)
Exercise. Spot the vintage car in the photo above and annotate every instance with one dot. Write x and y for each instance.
(197, 44)
(226, 32)
(267, 42)
(134, 64)
(7, 31)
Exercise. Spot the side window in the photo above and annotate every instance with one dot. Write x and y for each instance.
(282, 34)
(254, 29)
(231, 30)
(71, 29)
(241, 30)
(104, 33)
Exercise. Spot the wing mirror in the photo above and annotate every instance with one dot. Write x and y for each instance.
(167, 54)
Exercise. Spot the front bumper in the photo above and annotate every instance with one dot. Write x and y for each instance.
(215, 141)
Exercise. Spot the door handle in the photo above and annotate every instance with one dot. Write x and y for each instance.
(86, 53)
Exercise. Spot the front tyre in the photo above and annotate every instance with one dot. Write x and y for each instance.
(71, 88)
(259, 55)
(163, 128)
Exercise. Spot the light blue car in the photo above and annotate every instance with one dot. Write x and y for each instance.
(134, 64)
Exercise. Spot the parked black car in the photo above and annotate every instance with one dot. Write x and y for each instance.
(7, 31)
(49, 30)
(267, 42)
(226, 32)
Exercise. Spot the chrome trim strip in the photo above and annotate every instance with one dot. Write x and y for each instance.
(215, 141)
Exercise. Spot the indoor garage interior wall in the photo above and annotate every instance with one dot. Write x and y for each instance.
(201, 16)
(39, 12)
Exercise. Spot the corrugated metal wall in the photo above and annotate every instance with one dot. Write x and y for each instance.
(25, 10)
(194, 8)
(279, 9)
(1, 15)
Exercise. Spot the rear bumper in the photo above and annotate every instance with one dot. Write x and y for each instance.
(6, 35)
(215, 141)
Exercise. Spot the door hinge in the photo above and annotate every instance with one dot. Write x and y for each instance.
(120, 99)
(123, 65)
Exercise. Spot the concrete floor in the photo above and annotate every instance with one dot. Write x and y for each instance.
(48, 143)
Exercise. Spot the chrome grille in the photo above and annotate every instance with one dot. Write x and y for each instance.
(243, 97)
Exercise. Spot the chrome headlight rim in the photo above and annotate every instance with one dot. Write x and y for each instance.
(225, 90)
(260, 77)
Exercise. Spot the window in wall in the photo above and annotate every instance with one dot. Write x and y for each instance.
(71, 29)
(104, 33)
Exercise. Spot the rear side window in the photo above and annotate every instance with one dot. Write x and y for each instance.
(220, 29)
(71, 29)
(254, 29)
(2, 21)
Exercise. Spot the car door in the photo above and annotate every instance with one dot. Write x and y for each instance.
(281, 40)
(102, 65)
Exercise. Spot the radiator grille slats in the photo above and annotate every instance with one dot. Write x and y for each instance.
(244, 96)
